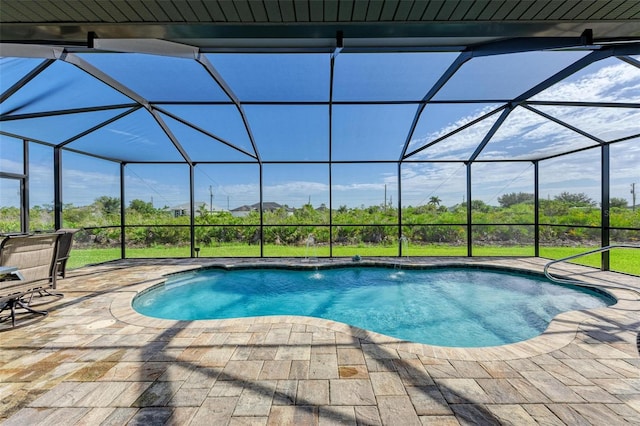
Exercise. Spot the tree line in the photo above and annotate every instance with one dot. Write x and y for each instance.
(509, 222)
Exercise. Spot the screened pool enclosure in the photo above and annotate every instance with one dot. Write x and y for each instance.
(154, 148)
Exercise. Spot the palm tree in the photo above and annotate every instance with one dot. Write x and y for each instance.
(202, 210)
(434, 201)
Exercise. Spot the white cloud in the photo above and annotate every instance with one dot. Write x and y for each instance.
(422, 181)
(613, 81)
(528, 135)
(459, 146)
(10, 166)
(132, 137)
(575, 173)
(296, 193)
(460, 141)
(605, 123)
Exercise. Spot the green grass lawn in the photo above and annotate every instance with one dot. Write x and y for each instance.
(82, 257)
(622, 260)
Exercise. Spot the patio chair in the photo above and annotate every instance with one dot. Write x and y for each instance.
(64, 249)
(34, 256)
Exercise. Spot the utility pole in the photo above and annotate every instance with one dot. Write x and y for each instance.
(633, 196)
(385, 196)
(210, 198)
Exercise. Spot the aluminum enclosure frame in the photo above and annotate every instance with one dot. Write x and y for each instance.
(69, 54)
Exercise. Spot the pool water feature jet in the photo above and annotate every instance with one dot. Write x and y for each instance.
(404, 249)
(317, 275)
(311, 252)
(397, 271)
(404, 246)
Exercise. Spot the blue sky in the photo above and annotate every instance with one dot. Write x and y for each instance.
(302, 132)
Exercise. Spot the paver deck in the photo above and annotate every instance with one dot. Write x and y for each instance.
(93, 360)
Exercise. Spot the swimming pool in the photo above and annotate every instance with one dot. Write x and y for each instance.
(461, 307)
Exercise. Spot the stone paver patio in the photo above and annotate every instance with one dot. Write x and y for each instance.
(93, 360)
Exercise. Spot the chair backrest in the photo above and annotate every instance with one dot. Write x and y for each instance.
(65, 241)
(33, 255)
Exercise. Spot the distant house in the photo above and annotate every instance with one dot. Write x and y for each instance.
(241, 211)
(270, 206)
(185, 209)
(267, 206)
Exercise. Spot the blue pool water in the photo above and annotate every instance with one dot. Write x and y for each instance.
(447, 307)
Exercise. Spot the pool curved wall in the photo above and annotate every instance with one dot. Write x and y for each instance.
(450, 305)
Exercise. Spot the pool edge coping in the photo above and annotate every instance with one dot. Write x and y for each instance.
(561, 331)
